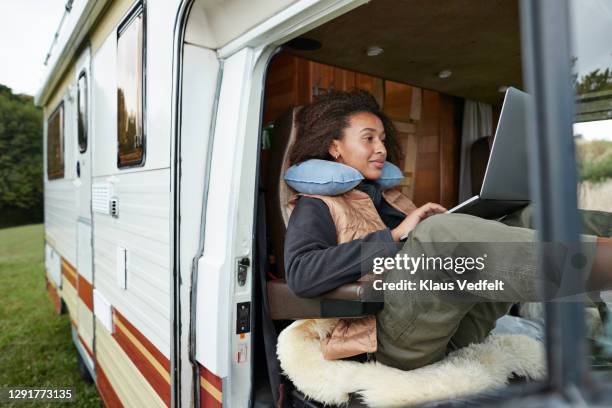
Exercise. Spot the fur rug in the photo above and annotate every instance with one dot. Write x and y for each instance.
(465, 371)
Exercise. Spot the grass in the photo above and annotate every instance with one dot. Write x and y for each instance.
(36, 348)
(594, 160)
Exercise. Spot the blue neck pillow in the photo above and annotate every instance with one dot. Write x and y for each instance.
(325, 177)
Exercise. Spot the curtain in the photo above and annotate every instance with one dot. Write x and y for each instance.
(477, 123)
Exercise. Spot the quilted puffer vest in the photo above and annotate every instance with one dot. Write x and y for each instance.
(355, 216)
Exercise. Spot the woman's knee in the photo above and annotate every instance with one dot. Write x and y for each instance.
(456, 228)
(425, 231)
(443, 228)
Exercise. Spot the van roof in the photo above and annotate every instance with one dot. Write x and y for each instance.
(224, 22)
(478, 40)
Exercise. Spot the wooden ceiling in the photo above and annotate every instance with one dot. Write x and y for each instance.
(478, 40)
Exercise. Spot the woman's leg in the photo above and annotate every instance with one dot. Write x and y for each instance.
(480, 320)
(414, 331)
(417, 333)
(597, 223)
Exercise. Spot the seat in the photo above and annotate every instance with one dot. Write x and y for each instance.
(345, 301)
(319, 382)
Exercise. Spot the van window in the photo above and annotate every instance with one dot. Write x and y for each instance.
(82, 111)
(130, 129)
(55, 144)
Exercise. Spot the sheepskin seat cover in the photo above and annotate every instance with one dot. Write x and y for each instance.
(466, 371)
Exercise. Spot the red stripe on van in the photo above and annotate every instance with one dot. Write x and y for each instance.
(210, 389)
(132, 342)
(213, 379)
(207, 400)
(85, 346)
(69, 272)
(145, 342)
(52, 292)
(108, 394)
(85, 291)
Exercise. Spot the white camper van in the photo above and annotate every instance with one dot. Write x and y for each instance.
(166, 131)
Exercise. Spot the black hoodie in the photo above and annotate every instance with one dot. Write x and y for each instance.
(315, 263)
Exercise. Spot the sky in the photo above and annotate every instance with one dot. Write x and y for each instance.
(591, 23)
(26, 33)
(592, 27)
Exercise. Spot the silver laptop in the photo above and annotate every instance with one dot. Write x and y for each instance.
(505, 186)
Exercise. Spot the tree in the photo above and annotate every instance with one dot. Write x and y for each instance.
(21, 162)
(597, 80)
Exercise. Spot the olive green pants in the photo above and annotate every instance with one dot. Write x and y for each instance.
(413, 333)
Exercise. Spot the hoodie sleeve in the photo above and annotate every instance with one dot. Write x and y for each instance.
(314, 262)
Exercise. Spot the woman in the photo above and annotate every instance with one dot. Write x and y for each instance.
(330, 238)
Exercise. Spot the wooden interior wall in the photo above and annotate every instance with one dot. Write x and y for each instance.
(428, 122)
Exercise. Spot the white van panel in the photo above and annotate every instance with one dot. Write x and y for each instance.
(215, 284)
(70, 136)
(160, 36)
(60, 195)
(103, 310)
(83, 264)
(142, 228)
(158, 94)
(104, 109)
(60, 217)
(83, 159)
(53, 265)
(214, 23)
(200, 76)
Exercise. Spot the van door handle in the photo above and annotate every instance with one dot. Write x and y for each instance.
(78, 169)
(242, 267)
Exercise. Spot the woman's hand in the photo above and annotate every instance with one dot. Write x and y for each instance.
(416, 216)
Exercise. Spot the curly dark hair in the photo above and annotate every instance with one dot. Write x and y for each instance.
(325, 119)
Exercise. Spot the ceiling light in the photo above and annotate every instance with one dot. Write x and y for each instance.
(502, 88)
(374, 51)
(445, 74)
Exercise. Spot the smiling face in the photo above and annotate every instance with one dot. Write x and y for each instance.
(362, 145)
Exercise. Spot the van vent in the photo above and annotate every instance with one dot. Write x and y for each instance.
(100, 197)
(114, 207)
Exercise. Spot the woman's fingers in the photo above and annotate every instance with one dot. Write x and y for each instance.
(430, 209)
(437, 207)
(419, 215)
(433, 208)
